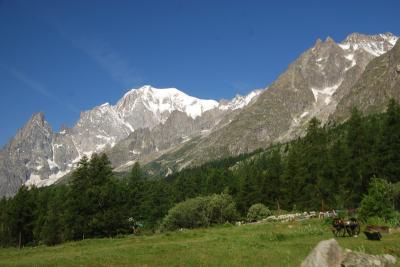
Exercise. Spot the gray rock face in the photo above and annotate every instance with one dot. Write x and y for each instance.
(145, 121)
(98, 128)
(379, 82)
(356, 259)
(312, 86)
(328, 253)
(145, 143)
(26, 155)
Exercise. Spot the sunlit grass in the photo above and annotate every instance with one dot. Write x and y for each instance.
(269, 244)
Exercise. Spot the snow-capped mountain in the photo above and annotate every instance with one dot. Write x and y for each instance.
(312, 86)
(378, 83)
(145, 107)
(159, 103)
(331, 69)
(376, 45)
(43, 156)
(148, 122)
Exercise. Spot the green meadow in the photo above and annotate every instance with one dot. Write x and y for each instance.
(267, 244)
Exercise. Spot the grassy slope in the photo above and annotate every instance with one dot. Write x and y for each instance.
(270, 244)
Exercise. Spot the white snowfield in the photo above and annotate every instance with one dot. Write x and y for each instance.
(159, 101)
(168, 100)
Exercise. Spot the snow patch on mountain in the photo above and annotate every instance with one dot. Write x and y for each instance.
(375, 45)
(240, 101)
(305, 113)
(390, 38)
(325, 94)
(34, 180)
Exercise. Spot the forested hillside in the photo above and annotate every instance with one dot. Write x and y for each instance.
(329, 168)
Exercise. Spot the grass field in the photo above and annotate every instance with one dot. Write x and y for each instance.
(269, 244)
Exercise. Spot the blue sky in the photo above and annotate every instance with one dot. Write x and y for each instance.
(61, 57)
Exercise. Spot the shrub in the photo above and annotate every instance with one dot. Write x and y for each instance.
(376, 221)
(200, 212)
(221, 209)
(392, 222)
(257, 212)
(395, 221)
(378, 202)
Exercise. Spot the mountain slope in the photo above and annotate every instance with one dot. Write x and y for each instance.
(171, 130)
(311, 86)
(145, 144)
(144, 121)
(379, 83)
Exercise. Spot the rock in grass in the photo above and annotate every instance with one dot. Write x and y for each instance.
(329, 254)
(326, 254)
(355, 259)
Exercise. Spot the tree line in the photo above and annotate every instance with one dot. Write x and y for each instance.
(329, 168)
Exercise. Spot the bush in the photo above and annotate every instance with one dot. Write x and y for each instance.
(200, 212)
(221, 209)
(392, 222)
(395, 221)
(376, 221)
(378, 202)
(257, 212)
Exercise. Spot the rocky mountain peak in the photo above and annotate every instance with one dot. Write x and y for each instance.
(318, 42)
(329, 40)
(375, 45)
(359, 37)
(239, 101)
(37, 123)
(38, 118)
(378, 83)
(355, 37)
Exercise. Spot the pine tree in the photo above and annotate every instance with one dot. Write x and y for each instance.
(378, 202)
(135, 192)
(51, 233)
(339, 159)
(5, 227)
(272, 175)
(95, 206)
(357, 146)
(79, 206)
(390, 143)
(22, 216)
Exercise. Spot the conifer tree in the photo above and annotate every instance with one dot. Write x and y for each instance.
(51, 232)
(357, 146)
(22, 217)
(390, 143)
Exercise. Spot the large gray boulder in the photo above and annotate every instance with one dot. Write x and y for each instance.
(356, 259)
(328, 253)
